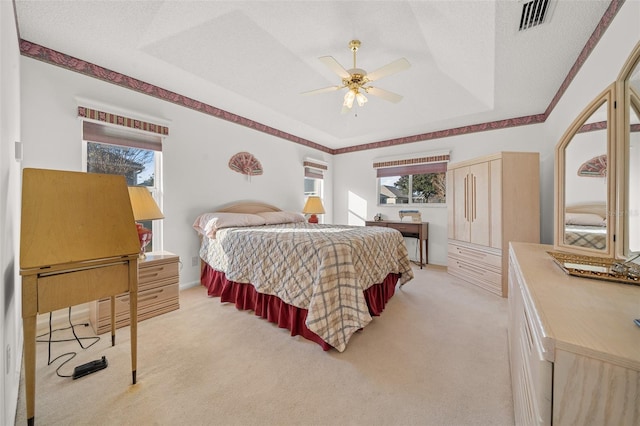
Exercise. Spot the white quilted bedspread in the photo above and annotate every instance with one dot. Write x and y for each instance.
(321, 268)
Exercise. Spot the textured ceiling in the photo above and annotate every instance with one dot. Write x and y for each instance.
(469, 63)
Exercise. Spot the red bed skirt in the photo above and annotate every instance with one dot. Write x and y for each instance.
(274, 310)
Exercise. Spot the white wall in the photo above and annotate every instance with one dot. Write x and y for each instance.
(10, 296)
(195, 155)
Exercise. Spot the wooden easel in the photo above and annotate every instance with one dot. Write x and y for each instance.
(78, 243)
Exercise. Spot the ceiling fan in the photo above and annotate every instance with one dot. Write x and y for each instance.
(357, 80)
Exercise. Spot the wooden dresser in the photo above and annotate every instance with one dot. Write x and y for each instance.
(158, 285)
(574, 349)
(491, 201)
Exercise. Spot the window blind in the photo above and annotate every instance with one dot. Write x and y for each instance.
(95, 132)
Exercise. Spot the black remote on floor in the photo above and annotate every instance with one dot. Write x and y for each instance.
(90, 367)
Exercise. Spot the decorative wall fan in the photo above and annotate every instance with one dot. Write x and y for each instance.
(246, 164)
(357, 80)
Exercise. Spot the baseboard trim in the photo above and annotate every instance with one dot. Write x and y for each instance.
(184, 286)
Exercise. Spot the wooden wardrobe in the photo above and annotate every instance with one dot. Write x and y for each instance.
(491, 201)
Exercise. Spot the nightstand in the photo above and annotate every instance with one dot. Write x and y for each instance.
(158, 285)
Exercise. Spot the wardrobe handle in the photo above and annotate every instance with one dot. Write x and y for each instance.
(473, 217)
(466, 195)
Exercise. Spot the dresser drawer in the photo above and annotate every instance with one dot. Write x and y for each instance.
(485, 258)
(482, 277)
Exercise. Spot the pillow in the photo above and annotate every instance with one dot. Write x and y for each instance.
(584, 219)
(208, 223)
(273, 218)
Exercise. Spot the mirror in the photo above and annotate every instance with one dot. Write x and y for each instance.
(583, 170)
(632, 89)
(597, 173)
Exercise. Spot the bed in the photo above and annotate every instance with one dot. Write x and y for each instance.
(322, 282)
(586, 226)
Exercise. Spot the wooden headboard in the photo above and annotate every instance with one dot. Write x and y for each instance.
(244, 207)
(248, 207)
(596, 208)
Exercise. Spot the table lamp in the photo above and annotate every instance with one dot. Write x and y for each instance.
(313, 206)
(144, 208)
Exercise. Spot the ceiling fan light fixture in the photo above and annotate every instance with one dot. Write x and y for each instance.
(361, 99)
(349, 98)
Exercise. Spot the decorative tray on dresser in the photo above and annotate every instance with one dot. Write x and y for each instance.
(158, 283)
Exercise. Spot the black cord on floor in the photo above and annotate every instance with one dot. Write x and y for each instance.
(76, 338)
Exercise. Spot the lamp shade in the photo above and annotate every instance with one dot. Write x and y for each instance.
(143, 205)
(313, 206)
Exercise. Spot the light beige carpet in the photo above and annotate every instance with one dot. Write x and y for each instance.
(437, 356)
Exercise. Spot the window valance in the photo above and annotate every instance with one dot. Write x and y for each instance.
(414, 165)
(114, 129)
(112, 135)
(314, 168)
(120, 120)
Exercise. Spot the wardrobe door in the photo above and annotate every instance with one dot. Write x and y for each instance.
(479, 212)
(462, 204)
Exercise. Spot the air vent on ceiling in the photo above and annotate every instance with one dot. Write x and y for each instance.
(534, 13)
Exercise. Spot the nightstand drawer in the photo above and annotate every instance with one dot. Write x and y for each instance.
(150, 303)
(156, 274)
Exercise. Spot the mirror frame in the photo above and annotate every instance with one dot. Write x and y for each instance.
(623, 119)
(606, 97)
(618, 141)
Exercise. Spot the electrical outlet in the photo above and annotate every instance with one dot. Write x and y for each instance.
(194, 261)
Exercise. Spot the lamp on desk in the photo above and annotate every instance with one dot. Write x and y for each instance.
(313, 206)
(144, 208)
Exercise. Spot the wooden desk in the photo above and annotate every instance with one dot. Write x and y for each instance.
(78, 243)
(418, 230)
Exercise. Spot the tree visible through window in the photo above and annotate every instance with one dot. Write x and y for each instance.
(428, 188)
(137, 165)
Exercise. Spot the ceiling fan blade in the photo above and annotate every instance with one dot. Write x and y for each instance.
(323, 90)
(384, 94)
(334, 66)
(391, 68)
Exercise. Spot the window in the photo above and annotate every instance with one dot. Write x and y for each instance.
(312, 186)
(135, 155)
(313, 178)
(417, 180)
(313, 175)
